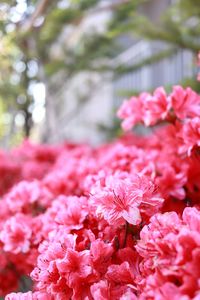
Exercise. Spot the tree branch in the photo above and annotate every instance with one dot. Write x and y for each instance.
(39, 11)
(43, 5)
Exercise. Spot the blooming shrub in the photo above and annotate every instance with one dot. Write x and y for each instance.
(117, 222)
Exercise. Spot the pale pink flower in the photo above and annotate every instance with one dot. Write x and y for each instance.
(29, 296)
(20, 296)
(130, 294)
(191, 217)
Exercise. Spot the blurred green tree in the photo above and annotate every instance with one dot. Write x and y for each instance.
(28, 30)
(178, 26)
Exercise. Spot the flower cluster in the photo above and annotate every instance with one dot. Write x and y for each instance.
(117, 222)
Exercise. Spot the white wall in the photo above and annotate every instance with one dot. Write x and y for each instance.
(84, 103)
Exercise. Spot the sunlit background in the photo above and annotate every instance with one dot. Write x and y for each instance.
(67, 65)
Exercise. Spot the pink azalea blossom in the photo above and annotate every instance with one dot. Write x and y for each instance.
(156, 107)
(75, 214)
(29, 296)
(185, 102)
(119, 201)
(16, 234)
(101, 256)
(103, 291)
(146, 108)
(190, 135)
(75, 266)
(131, 111)
(25, 196)
(118, 221)
(173, 254)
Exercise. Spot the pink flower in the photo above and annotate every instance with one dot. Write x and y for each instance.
(26, 196)
(171, 182)
(29, 296)
(129, 295)
(121, 274)
(190, 135)
(170, 247)
(91, 223)
(16, 234)
(20, 296)
(116, 204)
(75, 266)
(73, 212)
(46, 274)
(191, 217)
(156, 106)
(146, 108)
(166, 291)
(119, 201)
(131, 112)
(104, 291)
(185, 102)
(101, 255)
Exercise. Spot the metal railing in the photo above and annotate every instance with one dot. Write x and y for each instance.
(166, 71)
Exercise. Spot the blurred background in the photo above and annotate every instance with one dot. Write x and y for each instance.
(67, 65)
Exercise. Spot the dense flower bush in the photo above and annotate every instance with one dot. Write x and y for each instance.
(117, 222)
